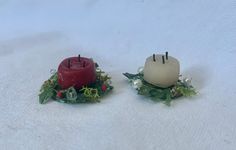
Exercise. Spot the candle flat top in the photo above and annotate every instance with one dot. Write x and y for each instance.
(158, 60)
(76, 64)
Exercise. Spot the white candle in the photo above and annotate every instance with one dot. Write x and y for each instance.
(161, 73)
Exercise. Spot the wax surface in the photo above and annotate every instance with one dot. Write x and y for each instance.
(159, 74)
(79, 74)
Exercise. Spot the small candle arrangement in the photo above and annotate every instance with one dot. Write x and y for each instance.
(159, 79)
(78, 80)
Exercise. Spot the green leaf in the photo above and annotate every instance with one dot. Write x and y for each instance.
(47, 90)
(157, 93)
(131, 76)
(46, 95)
(186, 91)
(167, 97)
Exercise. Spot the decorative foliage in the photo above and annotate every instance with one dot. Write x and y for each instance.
(182, 88)
(91, 93)
(47, 90)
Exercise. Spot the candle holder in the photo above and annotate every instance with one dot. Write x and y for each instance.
(160, 79)
(78, 80)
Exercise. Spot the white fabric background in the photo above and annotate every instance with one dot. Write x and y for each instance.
(36, 35)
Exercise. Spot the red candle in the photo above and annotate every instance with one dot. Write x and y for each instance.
(76, 72)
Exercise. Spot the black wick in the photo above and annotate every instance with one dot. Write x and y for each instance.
(163, 59)
(154, 57)
(166, 55)
(78, 58)
(68, 63)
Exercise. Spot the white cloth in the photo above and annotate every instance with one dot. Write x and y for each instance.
(36, 35)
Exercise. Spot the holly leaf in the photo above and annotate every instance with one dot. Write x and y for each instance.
(46, 95)
(131, 76)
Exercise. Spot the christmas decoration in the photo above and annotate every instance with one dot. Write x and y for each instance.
(159, 79)
(83, 88)
(181, 88)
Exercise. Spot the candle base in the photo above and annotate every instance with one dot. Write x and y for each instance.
(157, 93)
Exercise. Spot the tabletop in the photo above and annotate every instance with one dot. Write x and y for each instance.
(35, 36)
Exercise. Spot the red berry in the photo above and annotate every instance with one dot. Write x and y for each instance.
(104, 87)
(59, 94)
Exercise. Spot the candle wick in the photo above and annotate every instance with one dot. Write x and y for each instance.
(68, 63)
(163, 59)
(84, 64)
(166, 55)
(154, 57)
(79, 58)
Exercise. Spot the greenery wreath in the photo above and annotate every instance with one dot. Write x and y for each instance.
(181, 88)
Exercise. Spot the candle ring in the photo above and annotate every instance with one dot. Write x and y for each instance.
(166, 95)
(76, 83)
(161, 82)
